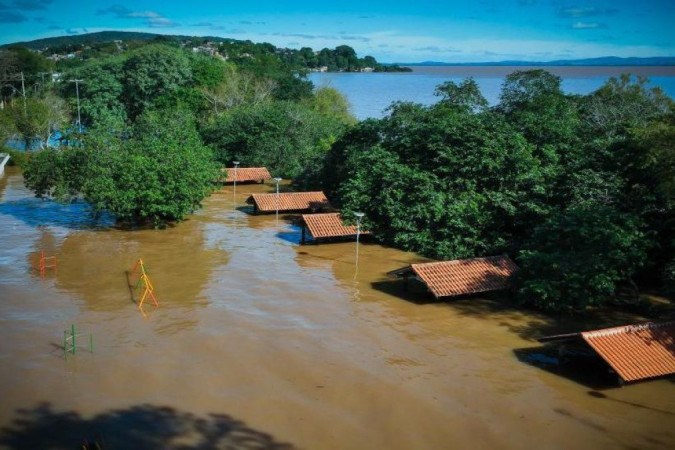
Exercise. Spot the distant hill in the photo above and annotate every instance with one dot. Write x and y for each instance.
(341, 59)
(604, 61)
(85, 39)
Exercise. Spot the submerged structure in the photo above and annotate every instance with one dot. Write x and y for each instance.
(633, 352)
(328, 226)
(246, 174)
(289, 202)
(461, 276)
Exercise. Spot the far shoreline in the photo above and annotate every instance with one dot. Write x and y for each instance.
(562, 71)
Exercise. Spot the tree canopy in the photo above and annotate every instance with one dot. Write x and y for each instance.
(577, 189)
(157, 172)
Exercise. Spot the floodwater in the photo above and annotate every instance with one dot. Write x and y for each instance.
(261, 343)
(370, 94)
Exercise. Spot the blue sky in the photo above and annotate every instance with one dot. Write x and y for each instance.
(410, 31)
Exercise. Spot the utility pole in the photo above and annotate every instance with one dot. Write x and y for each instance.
(77, 91)
(23, 92)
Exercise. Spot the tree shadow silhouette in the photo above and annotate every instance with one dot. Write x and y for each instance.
(144, 427)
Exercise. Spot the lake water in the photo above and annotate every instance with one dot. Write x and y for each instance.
(371, 93)
(260, 343)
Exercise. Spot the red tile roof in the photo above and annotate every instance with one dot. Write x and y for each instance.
(463, 276)
(248, 174)
(328, 225)
(636, 352)
(289, 201)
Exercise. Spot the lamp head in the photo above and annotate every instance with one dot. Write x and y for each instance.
(359, 215)
(236, 163)
(278, 179)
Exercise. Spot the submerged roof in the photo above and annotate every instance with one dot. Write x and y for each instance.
(247, 174)
(463, 276)
(636, 352)
(289, 201)
(328, 225)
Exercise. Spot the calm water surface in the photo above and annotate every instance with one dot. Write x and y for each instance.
(259, 342)
(371, 93)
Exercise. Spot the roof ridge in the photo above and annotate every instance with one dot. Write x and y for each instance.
(288, 193)
(458, 261)
(627, 328)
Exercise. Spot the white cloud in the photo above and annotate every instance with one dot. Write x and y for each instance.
(153, 19)
(586, 25)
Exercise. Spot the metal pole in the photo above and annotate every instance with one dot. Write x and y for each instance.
(277, 201)
(77, 92)
(23, 92)
(359, 216)
(234, 190)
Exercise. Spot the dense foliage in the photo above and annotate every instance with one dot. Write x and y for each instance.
(157, 173)
(579, 190)
(283, 136)
(147, 114)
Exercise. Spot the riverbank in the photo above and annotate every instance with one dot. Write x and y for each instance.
(275, 344)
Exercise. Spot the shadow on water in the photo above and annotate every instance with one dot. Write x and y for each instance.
(290, 233)
(246, 209)
(36, 212)
(587, 370)
(144, 427)
(529, 324)
(607, 397)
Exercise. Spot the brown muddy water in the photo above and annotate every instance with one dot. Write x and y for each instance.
(261, 343)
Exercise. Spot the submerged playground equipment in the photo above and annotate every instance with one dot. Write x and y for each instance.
(143, 282)
(70, 339)
(46, 262)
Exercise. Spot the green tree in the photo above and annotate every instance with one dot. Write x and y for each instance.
(442, 181)
(534, 103)
(151, 72)
(283, 136)
(7, 128)
(465, 95)
(621, 104)
(579, 257)
(38, 118)
(101, 91)
(330, 102)
(157, 172)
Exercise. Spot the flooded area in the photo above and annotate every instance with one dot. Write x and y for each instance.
(259, 342)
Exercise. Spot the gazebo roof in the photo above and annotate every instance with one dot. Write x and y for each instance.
(463, 276)
(328, 225)
(247, 174)
(289, 201)
(635, 352)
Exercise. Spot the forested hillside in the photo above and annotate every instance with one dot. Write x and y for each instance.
(94, 45)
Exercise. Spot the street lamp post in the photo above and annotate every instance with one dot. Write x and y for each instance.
(359, 217)
(77, 91)
(277, 180)
(234, 190)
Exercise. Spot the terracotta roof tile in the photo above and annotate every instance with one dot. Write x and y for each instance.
(463, 276)
(636, 352)
(289, 201)
(328, 225)
(247, 174)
